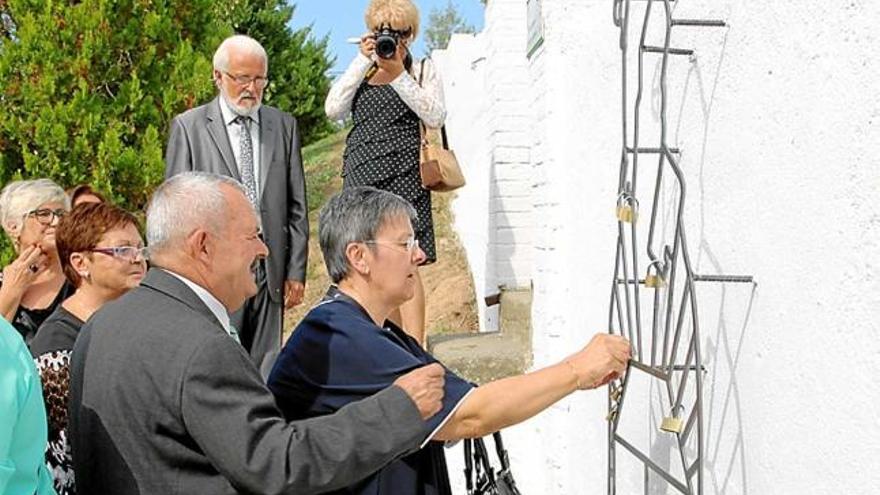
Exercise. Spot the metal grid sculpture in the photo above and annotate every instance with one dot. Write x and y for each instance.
(669, 280)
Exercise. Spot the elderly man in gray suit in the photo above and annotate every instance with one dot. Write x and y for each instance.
(163, 399)
(234, 135)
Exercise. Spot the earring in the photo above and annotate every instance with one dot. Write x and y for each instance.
(84, 275)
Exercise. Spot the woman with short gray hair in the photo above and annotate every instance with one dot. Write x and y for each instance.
(33, 284)
(347, 348)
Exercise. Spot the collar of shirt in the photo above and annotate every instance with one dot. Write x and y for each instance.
(229, 116)
(210, 301)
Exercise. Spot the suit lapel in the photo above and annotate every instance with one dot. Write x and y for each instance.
(217, 130)
(268, 126)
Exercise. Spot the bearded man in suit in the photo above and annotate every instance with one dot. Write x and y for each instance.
(234, 135)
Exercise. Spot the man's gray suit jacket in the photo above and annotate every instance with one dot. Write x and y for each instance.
(164, 401)
(198, 141)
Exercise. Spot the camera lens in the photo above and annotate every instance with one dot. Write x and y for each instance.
(386, 45)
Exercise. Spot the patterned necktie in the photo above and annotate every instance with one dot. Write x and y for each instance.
(233, 332)
(246, 158)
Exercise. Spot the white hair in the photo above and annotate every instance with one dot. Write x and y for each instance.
(243, 43)
(21, 197)
(185, 203)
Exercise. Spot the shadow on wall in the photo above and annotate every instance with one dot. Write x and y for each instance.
(724, 310)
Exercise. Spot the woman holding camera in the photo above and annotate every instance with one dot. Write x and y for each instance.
(387, 93)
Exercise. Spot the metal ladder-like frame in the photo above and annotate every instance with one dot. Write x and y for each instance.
(673, 324)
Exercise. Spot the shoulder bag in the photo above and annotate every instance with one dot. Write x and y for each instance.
(437, 163)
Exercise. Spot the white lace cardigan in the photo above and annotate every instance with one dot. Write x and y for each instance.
(426, 101)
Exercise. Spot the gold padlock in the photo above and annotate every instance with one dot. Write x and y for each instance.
(627, 208)
(672, 424)
(612, 415)
(655, 280)
(625, 214)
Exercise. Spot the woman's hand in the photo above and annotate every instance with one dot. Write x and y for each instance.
(393, 66)
(602, 360)
(368, 45)
(22, 272)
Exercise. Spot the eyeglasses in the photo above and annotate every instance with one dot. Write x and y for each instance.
(126, 253)
(46, 216)
(259, 81)
(408, 245)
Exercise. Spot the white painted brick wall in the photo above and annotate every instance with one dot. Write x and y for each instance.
(778, 118)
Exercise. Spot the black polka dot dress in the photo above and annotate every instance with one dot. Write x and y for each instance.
(382, 150)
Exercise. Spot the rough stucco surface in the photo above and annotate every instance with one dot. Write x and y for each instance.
(778, 121)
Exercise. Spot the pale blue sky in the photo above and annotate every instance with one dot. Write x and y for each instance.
(343, 19)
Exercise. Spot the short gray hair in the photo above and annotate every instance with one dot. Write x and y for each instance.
(355, 215)
(244, 43)
(185, 203)
(21, 197)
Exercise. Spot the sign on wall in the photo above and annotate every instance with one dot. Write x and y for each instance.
(536, 26)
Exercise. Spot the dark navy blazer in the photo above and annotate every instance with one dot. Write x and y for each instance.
(338, 355)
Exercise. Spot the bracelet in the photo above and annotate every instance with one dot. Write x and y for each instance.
(577, 379)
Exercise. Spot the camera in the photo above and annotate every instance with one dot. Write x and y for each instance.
(386, 42)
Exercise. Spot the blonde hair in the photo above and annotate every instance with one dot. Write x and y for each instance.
(400, 15)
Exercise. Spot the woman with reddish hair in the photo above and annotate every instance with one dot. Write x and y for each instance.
(102, 255)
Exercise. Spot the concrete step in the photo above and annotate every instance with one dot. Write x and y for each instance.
(485, 357)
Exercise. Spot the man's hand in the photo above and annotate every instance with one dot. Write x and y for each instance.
(293, 293)
(425, 387)
(602, 360)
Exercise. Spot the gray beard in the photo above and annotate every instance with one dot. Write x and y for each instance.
(237, 110)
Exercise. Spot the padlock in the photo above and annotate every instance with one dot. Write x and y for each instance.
(612, 415)
(625, 214)
(672, 424)
(655, 280)
(627, 208)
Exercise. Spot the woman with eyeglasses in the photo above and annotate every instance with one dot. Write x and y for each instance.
(33, 284)
(102, 255)
(387, 93)
(347, 349)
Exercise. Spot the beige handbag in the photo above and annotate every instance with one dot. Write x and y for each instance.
(437, 163)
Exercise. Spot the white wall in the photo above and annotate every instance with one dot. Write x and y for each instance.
(778, 121)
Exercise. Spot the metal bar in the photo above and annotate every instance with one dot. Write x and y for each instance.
(688, 426)
(653, 151)
(670, 51)
(698, 23)
(651, 464)
(730, 279)
(655, 372)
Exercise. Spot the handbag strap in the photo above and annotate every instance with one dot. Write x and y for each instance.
(468, 465)
(422, 127)
(501, 451)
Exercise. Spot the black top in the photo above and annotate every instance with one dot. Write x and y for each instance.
(28, 320)
(337, 355)
(57, 333)
(384, 138)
